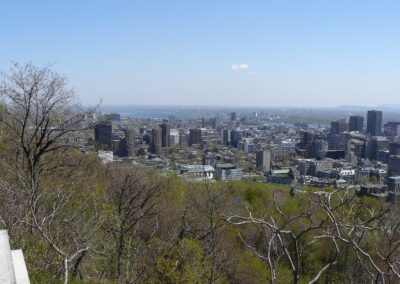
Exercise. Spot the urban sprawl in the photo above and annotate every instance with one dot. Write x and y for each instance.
(350, 154)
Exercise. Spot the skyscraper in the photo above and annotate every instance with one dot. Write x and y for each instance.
(165, 132)
(225, 137)
(233, 116)
(156, 140)
(307, 138)
(391, 128)
(394, 148)
(130, 141)
(374, 122)
(214, 123)
(236, 135)
(335, 127)
(183, 138)
(356, 123)
(375, 144)
(338, 126)
(194, 136)
(103, 135)
(263, 160)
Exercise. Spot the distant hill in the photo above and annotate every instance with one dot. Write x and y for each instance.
(392, 107)
(353, 108)
(383, 107)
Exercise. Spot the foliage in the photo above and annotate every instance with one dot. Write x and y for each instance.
(78, 221)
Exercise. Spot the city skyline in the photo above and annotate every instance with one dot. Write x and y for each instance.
(291, 53)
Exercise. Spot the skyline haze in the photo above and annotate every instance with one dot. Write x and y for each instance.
(287, 53)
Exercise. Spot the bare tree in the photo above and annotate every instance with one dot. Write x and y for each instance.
(287, 238)
(373, 233)
(338, 222)
(38, 110)
(134, 195)
(202, 221)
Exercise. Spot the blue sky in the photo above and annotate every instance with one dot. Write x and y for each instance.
(266, 53)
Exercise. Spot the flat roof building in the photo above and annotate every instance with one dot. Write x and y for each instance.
(356, 123)
(374, 122)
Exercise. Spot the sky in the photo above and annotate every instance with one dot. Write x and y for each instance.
(298, 53)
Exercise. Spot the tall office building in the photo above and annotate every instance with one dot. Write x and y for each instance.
(194, 136)
(338, 126)
(320, 148)
(335, 127)
(236, 135)
(225, 137)
(183, 138)
(356, 123)
(391, 128)
(374, 122)
(307, 138)
(103, 135)
(120, 147)
(165, 132)
(394, 148)
(214, 123)
(156, 140)
(233, 116)
(263, 160)
(130, 141)
(394, 165)
(374, 145)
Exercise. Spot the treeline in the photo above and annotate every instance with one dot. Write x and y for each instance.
(79, 221)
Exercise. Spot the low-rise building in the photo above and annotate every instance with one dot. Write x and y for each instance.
(282, 176)
(227, 172)
(376, 190)
(197, 171)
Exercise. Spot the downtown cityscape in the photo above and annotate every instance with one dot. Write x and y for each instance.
(204, 142)
(256, 145)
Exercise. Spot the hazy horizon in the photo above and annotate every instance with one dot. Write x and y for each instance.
(260, 106)
(223, 53)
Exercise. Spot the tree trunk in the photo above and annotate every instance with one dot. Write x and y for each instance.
(65, 270)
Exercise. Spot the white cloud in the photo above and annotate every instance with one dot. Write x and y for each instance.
(241, 66)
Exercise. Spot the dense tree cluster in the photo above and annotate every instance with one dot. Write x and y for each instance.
(79, 221)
